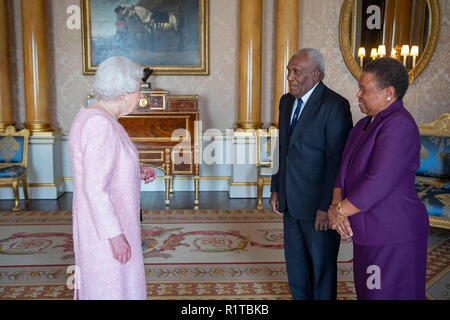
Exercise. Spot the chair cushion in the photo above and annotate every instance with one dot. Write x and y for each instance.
(434, 157)
(435, 198)
(265, 149)
(12, 172)
(159, 172)
(11, 148)
(266, 171)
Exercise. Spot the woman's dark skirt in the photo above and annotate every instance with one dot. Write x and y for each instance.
(391, 272)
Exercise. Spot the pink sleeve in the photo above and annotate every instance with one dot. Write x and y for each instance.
(99, 147)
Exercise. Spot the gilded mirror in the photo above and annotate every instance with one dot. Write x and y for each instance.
(405, 29)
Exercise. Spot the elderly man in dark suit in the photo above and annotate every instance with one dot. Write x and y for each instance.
(314, 122)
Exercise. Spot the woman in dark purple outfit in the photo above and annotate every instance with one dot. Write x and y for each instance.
(374, 199)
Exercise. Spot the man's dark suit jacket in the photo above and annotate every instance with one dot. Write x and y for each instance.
(309, 159)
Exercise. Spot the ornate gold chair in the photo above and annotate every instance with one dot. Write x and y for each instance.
(13, 161)
(266, 150)
(433, 176)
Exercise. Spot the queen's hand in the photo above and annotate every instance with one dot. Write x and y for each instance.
(147, 174)
(120, 248)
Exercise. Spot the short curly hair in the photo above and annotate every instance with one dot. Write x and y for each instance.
(389, 72)
(116, 76)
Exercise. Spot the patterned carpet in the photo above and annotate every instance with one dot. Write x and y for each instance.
(205, 254)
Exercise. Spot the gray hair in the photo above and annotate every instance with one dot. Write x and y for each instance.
(316, 57)
(116, 76)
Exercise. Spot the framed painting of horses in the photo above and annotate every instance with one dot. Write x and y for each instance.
(169, 36)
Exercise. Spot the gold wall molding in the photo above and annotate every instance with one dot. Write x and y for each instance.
(243, 184)
(38, 185)
(228, 179)
(211, 178)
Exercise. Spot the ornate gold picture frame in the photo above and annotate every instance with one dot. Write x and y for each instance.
(171, 36)
(348, 25)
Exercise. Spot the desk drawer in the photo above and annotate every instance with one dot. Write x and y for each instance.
(151, 156)
(156, 127)
(182, 105)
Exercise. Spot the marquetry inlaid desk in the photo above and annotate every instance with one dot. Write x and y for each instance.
(164, 132)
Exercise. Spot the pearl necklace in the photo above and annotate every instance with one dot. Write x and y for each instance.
(107, 110)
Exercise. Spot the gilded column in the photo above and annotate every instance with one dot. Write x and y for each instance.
(35, 66)
(250, 51)
(286, 44)
(6, 117)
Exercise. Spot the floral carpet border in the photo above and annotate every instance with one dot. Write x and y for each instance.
(150, 216)
(215, 290)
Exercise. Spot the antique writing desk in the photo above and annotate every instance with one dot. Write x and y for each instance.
(164, 132)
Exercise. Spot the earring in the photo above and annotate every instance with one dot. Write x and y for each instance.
(388, 98)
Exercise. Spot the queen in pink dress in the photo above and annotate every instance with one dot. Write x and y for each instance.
(106, 199)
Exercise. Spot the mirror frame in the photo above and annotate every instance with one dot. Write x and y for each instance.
(346, 47)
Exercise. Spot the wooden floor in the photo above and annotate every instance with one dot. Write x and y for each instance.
(149, 201)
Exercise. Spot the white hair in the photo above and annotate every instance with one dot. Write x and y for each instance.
(116, 76)
(316, 57)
